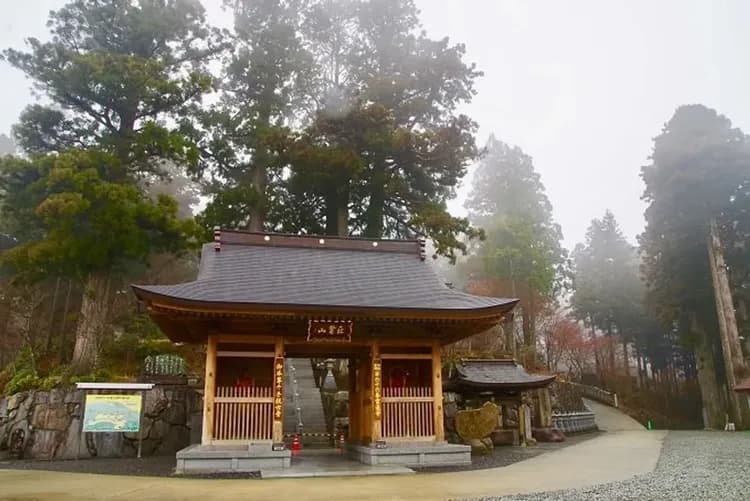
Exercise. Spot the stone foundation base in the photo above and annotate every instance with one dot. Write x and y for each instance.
(230, 459)
(412, 454)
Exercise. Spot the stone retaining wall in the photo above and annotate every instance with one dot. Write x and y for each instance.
(46, 425)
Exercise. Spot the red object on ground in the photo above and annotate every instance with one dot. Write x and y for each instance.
(340, 442)
(296, 445)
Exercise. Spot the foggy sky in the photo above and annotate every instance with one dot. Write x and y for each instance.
(581, 86)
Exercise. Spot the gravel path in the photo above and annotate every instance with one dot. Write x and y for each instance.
(694, 465)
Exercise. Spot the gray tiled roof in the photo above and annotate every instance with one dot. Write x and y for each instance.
(498, 374)
(256, 274)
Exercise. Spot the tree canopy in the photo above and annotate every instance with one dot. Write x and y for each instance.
(339, 117)
(523, 251)
(699, 165)
(113, 72)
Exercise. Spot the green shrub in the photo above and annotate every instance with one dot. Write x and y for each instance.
(22, 375)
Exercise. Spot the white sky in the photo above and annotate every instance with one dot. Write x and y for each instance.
(582, 85)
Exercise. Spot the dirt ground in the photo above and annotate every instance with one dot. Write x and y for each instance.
(163, 466)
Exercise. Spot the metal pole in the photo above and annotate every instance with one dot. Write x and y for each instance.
(80, 427)
(140, 424)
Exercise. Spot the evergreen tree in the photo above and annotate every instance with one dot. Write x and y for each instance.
(698, 164)
(265, 86)
(522, 249)
(114, 70)
(608, 294)
(358, 82)
(86, 228)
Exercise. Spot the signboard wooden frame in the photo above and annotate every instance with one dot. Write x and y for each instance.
(330, 331)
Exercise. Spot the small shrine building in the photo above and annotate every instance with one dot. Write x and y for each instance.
(259, 298)
(524, 402)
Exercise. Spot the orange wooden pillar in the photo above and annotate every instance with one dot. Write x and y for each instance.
(355, 401)
(364, 379)
(209, 391)
(437, 391)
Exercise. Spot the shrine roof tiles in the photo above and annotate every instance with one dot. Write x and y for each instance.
(290, 270)
(495, 374)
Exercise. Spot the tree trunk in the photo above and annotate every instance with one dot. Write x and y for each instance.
(374, 213)
(734, 360)
(625, 358)
(611, 348)
(64, 321)
(52, 316)
(639, 367)
(712, 395)
(92, 319)
(259, 168)
(509, 329)
(529, 346)
(258, 180)
(337, 212)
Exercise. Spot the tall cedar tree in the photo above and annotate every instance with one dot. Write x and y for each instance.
(114, 72)
(699, 162)
(608, 294)
(266, 85)
(522, 249)
(376, 98)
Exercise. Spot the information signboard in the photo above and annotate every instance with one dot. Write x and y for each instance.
(112, 413)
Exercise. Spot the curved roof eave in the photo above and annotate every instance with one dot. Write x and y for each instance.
(502, 307)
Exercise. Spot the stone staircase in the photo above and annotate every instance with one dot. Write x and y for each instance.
(303, 407)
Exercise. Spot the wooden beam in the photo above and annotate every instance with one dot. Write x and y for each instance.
(277, 433)
(406, 356)
(209, 389)
(437, 392)
(239, 338)
(246, 354)
(406, 342)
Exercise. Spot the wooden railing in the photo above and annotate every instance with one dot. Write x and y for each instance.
(597, 394)
(243, 413)
(408, 413)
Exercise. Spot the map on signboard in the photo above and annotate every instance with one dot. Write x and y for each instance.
(112, 413)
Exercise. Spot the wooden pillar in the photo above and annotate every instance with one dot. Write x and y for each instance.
(364, 404)
(376, 392)
(437, 391)
(354, 401)
(277, 432)
(209, 390)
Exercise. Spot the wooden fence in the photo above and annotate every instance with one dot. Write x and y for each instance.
(408, 413)
(243, 413)
(597, 394)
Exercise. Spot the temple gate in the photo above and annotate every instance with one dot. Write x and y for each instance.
(261, 297)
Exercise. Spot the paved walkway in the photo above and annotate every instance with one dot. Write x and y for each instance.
(611, 457)
(610, 419)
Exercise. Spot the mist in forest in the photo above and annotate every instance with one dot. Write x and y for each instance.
(590, 159)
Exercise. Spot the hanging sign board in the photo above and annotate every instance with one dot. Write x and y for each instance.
(112, 413)
(278, 389)
(330, 331)
(377, 388)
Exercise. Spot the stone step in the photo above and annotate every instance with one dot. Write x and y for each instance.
(307, 399)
